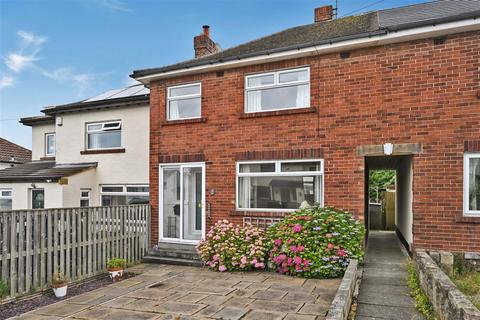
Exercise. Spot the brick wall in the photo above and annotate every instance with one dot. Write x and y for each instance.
(414, 92)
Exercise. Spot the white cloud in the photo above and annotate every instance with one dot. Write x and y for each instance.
(82, 81)
(115, 5)
(130, 81)
(6, 81)
(29, 39)
(18, 62)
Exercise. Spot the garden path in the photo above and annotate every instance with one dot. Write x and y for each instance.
(384, 293)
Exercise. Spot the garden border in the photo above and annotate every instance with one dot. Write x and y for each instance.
(447, 301)
(341, 304)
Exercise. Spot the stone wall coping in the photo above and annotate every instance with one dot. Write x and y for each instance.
(341, 304)
(448, 302)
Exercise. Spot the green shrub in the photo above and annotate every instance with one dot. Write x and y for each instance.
(229, 247)
(116, 263)
(4, 289)
(315, 243)
(421, 300)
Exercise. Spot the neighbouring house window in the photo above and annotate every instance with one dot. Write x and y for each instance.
(114, 195)
(286, 89)
(279, 185)
(5, 199)
(104, 135)
(84, 198)
(50, 144)
(184, 102)
(472, 184)
(38, 198)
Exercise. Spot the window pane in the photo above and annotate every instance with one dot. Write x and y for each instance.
(278, 98)
(260, 80)
(5, 204)
(109, 200)
(292, 76)
(50, 144)
(185, 108)
(107, 139)
(184, 91)
(278, 192)
(38, 199)
(84, 203)
(474, 186)
(112, 189)
(257, 167)
(131, 199)
(137, 189)
(111, 125)
(6, 193)
(93, 127)
(84, 194)
(300, 166)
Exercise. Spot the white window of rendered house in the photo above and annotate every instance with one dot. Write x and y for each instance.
(184, 101)
(84, 198)
(279, 90)
(6, 199)
(471, 186)
(104, 135)
(279, 185)
(114, 195)
(50, 144)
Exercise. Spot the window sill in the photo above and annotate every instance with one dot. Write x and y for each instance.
(278, 112)
(467, 219)
(183, 121)
(100, 151)
(47, 158)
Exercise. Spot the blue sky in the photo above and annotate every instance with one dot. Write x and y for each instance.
(60, 51)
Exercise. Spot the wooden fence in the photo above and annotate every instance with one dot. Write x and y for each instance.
(74, 241)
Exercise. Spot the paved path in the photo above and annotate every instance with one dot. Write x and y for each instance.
(384, 293)
(175, 292)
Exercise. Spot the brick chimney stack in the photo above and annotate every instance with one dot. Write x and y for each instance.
(203, 45)
(324, 13)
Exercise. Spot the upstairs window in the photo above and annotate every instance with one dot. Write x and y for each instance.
(104, 135)
(184, 102)
(279, 185)
(286, 89)
(472, 184)
(50, 144)
(5, 199)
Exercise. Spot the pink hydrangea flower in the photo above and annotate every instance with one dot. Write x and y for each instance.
(300, 248)
(298, 260)
(297, 228)
(330, 246)
(341, 253)
(222, 268)
(259, 265)
(329, 235)
(278, 242)
(293, 249)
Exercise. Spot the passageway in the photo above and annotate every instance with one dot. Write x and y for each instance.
(384, 293)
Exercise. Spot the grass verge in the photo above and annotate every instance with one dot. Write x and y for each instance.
(421, 300)
(469, 284)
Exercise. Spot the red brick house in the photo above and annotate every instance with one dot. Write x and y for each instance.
(253, 132)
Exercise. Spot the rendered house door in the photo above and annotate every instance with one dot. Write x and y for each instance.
(182, 202)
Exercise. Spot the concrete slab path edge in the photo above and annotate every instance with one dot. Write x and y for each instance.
(447, 301)
(341, 304)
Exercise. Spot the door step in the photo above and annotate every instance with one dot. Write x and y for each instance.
(174, 253)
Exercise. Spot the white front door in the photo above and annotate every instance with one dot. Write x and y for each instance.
(182, 198)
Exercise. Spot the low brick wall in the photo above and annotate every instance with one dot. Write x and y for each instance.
(341, 304)
(448, 302)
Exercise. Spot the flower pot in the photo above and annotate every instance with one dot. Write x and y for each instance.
(116, 273)
(60, 290)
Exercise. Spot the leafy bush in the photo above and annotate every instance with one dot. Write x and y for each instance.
(315, 242)
(229, 247)
(4, 289)
(116, 263)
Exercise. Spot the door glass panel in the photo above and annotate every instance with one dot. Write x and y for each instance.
(171, 203)
(38, 199)
(192, 203)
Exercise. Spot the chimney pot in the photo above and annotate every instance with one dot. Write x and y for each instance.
(324, 13)
(206, 30)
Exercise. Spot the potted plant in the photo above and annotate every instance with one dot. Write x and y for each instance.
(59, 284)
(115, 268)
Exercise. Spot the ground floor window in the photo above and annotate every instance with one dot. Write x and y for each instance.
(5, 199)
(38, 198)
(114, 195)
(472, 184)
(84, 198)
(279, 185)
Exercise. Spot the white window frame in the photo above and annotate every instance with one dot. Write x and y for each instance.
(188, 96)
(8, 197)
(46, 144)
(85, 198)
(466, 184)
(277, 173)
(124, 190)
(103, 129)
(276, 84)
